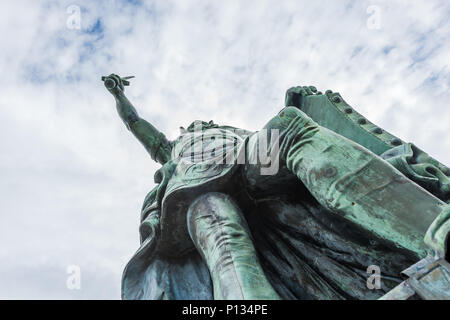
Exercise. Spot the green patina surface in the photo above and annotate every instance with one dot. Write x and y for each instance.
(382, 199)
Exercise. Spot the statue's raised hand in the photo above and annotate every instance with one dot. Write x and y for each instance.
(295, 94)
(116, 84)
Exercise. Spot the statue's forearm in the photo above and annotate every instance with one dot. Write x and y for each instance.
(154, 141)
(126, 110)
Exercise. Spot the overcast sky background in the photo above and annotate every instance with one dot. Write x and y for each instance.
(72, 178)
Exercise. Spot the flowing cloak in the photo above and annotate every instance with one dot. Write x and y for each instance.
(306, 251)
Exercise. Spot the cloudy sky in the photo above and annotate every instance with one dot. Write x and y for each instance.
(72, 178)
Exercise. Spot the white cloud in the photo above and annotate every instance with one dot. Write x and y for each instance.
(73, 179)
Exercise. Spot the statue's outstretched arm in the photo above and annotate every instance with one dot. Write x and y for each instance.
(154, 141)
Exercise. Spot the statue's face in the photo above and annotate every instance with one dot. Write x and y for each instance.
(199, 125)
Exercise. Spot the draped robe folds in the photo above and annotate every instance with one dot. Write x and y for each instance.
(306, 250)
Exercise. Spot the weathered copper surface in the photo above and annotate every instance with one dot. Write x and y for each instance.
(337, 196)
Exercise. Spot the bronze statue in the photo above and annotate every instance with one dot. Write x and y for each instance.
(297, 210)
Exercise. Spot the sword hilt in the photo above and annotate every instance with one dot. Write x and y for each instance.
(111, 82)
